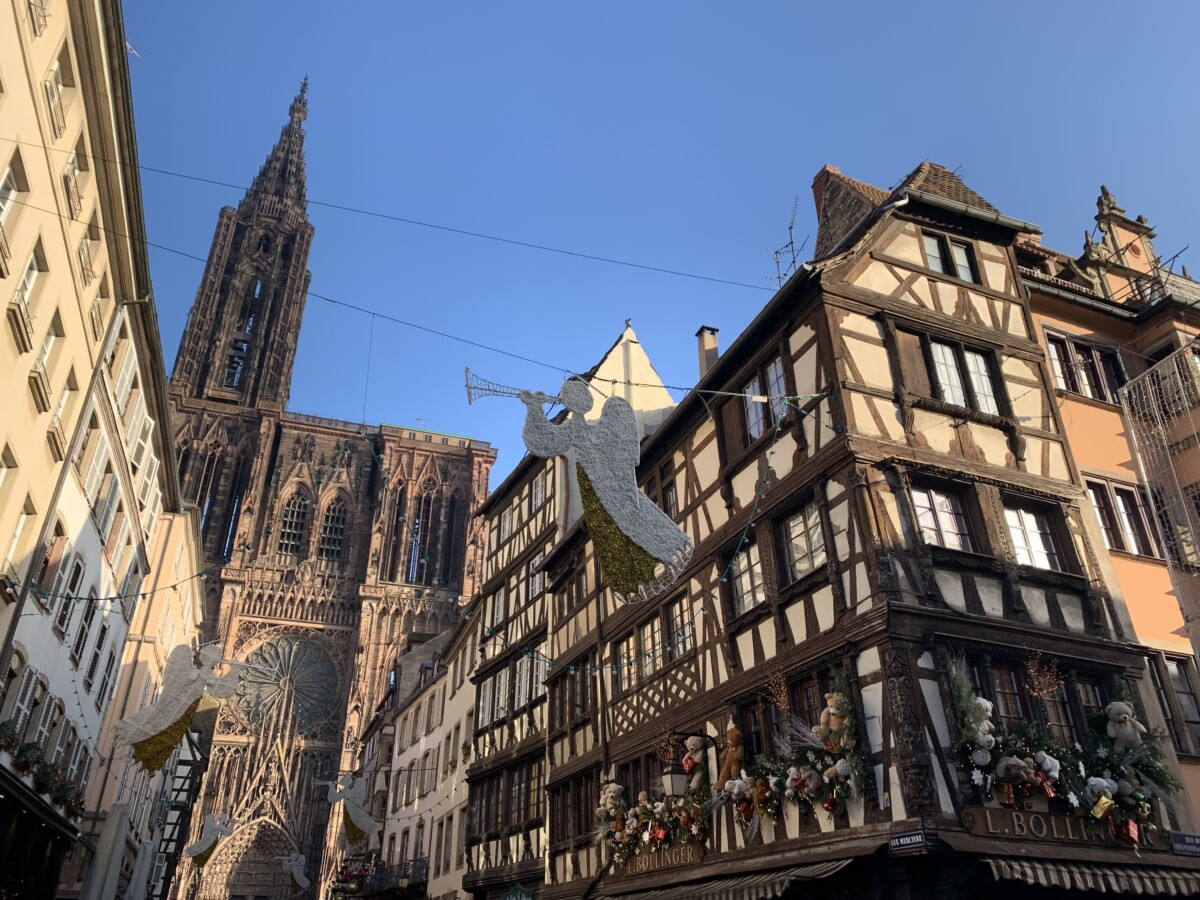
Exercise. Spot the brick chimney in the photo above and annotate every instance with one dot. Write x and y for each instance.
(818, 186)
(706, 343)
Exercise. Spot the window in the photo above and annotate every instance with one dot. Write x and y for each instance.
(55, 82)
(97, 652)
(499, 605)
(963, 377)
(572, 808)
(575, 591)
(484, 716)
(1032, 537)
(333, 529)
(292, 525)
(668, 498)
(942, 518)
(808, 697)
(573, 695)
(1060, 721)
(1082, 367)
(625, 659)
(70, 180)
(28, 511)
(949, 257)
(85, 627)
(521, 681)
(639, 775)
(66, 603)
(505, 525)
(763, 401)
(448, 847)
(1185, 729)
(38, 16)
(9, 189)
(651, 647)
(679, 628)
(502, 697)
(803, 543)
(745, 577)
(539, 489)
(537, 578)
(760, 721)
(1012, 703)
(1124, 517)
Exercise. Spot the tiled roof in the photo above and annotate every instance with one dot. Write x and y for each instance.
(868, 192)
(938, 180)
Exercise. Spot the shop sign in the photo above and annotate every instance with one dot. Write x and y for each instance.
(665, 858)
(1012, 824)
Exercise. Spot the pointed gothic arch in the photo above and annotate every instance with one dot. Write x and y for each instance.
(292, 537)
(334, 521)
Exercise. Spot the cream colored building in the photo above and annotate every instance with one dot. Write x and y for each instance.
(86, 463)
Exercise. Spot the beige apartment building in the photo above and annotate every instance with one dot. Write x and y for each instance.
(86, 463)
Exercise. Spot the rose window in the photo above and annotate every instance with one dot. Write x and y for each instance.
(288, 680)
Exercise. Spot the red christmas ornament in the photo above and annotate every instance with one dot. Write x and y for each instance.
(660, 834)
(745, 809)
(1046, 784)
(829, 804)
(689, 765)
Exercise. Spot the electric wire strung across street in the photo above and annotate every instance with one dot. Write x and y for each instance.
(374, 314)
(406, 221)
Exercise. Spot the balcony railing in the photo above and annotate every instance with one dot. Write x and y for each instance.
(39, 386)
(38, 16)
(71, 187)
(5, 254)
(58, 119)
(19, 321)
(87, 271)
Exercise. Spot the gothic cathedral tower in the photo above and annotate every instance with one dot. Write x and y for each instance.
(337, 544)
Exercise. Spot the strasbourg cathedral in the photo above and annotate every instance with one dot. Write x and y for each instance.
(337, 544)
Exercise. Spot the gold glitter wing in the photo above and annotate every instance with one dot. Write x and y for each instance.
(154, 751)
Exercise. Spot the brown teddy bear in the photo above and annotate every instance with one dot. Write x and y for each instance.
(834, 729)
(731, 760)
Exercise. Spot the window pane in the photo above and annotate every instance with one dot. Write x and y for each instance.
(1060, 364)
(804, 542)
(981, 382)
(776, 388)
(1058, 716)
(933, 253)
(651, 647)
(1114, 375)
(747, 579)
(1104, 512)
(942, 518)
(678, 627)
(926, 516)
(626, 662)
(962, 261)
(1011, 705)
(1133, 524)
(755, 414)
(1089, 375)
(948, 377)
(1033, 541)
(1187, 698)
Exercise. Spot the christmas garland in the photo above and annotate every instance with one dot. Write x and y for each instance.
(649, 825)
(1108, 781)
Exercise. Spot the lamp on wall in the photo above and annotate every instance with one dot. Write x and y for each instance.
(674, 779)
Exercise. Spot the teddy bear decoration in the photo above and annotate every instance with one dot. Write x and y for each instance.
(693, 761)
(1123, 729)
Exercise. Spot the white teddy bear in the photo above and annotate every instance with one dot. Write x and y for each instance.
(737, 788)
(1047, 764)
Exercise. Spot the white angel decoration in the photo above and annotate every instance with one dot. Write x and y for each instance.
(216, 826)
(632, 535)
(153, 732)
(294, 866)
(351, 792)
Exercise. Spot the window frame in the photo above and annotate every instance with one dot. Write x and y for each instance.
(965, 375)
(959, 497)
(750, 421)
(1060, 545)
(817, 552)
(735, 592)
(949, 266)
(1113, 528)
(1068, 354)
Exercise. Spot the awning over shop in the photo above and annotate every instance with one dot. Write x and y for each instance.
(762, 886)
(1147, 881)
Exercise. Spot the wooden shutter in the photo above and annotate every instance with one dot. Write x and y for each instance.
(45, 720)
(733, 426)
(141, 442)
(124, 382)
(24, 703)
(91, 484)
(912, 364)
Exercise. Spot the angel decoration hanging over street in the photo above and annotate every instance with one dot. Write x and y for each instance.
(216, 826)
(641, 548)
(357, 823)
(153, 732)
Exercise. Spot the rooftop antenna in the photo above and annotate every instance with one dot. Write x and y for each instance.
(787, 256)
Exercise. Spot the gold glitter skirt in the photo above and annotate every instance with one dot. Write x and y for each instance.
(626, 565)
(201, 858)
(154, 751)
(354, 834)
(296, 885)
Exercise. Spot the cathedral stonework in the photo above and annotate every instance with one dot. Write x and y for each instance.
(337, 544)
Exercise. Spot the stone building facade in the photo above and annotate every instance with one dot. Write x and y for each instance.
(336, 540)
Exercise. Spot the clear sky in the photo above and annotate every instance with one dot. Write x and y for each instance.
(669, 134)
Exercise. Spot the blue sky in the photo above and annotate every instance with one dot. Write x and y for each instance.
(670, 134)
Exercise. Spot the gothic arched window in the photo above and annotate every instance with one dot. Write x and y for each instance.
(397, 557)
(423, 552)
(293, 524)
(452, 541)
(333, 530)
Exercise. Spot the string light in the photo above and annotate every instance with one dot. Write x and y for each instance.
(1044, 678)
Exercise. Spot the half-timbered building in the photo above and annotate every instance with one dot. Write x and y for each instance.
(890, 530)
(534, 512)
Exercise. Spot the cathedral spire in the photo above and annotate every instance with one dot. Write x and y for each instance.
(282, 175)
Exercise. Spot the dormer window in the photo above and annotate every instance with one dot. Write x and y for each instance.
(953, 258)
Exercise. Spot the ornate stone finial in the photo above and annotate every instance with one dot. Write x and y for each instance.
(1106, 203)
(299, 108)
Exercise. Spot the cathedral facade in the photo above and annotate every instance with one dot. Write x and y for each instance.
(337, 542)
